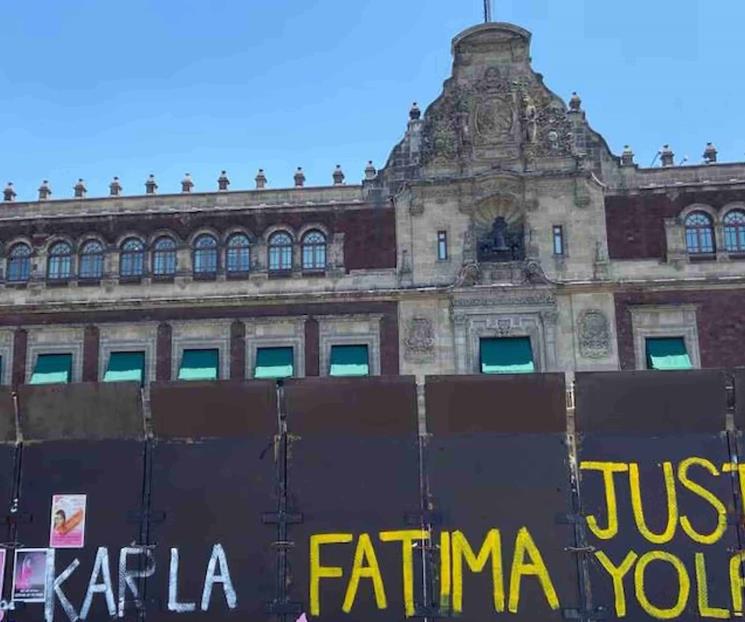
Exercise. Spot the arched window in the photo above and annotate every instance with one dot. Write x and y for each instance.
(59, 264)
(132, 258)
(699, 234)
(734, 231)
(280, 252)
(205, 255)
(19, 263)
(164, 257)
(238, 254)
(314, 251)
(91, 260)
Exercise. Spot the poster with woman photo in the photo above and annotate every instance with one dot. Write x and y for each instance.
(67, 529)
(28, 575)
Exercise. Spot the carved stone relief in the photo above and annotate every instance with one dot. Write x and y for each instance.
(420, 339)
(594, 334)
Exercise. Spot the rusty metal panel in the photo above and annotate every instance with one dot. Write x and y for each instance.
(207, 493)
(496, 459)
(498, 403)
(351, 469)
(110, 473)
(87, 410)
(648, 402)
(224, 408)
(663, 430)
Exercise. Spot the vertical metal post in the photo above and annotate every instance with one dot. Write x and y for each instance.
(487, 11)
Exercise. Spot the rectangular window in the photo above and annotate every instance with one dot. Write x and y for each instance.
(442, 245)
(558, 237)
(52, 368)
(125, 367)
(274, 363)
(506, 355)
(203, 364)
(349, 360)
(667, 353)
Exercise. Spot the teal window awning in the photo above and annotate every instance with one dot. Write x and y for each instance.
(506, 355)
(199, 365)
(51, 368)
(274, 363)
(125, 367)
(667, 353)
(349, 360)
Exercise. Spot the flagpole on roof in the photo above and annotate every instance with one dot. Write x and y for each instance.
(487, 11)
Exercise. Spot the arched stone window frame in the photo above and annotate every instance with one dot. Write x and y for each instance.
(19, 266)
(91, 263)
(711, 213)
(314, 255)
(725, 246)
(238, 260)
(277, 259)
(205, 249)
(129, 256)
(167, 257)
(60, 268)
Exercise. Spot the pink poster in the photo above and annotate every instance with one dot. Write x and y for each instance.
(28, 575)
(67, 530)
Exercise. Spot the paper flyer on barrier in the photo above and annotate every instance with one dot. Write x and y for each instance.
(67, 528)
(29, 573)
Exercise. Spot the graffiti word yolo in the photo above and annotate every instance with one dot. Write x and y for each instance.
(101, 584)
(684, 477)
(455, 552)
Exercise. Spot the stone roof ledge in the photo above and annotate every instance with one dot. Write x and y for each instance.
(489, 43)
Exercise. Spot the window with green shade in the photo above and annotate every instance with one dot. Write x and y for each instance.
(125, 367)
(199, 365)
(667, 353)
(51, 368)
(274, 363)
(349, 360)
(506, 355)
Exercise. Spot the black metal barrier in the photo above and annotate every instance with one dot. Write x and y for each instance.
(237, 500)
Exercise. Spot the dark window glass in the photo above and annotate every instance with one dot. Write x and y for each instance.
(699, 234)
(91, 260)
(238, 254)
(734, 231)
(59, 264)
(19, 263)
(314, 251)
(558, 237)
(164, 257)
(132, 258)
(280, 252)
(442, 245)
(205, 255)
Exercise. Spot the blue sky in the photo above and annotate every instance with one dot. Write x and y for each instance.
(95, 89)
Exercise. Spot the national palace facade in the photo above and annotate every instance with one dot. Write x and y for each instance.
(502, 235)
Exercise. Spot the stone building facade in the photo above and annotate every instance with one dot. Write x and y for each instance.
(501, 214)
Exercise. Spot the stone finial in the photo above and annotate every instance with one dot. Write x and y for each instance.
(44, 191)
(115, 188)
(338, 176)
(223, 182)
(627, 157)
(575, 103)
(710, 153)
(260, 180)
(299, 177)
(186, 183)
(370, 170)
(9, 194)
(80, 189)
(150, 184)
(667, 156)
(414, 113)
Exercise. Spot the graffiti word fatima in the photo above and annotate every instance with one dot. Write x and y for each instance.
(674, 479)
